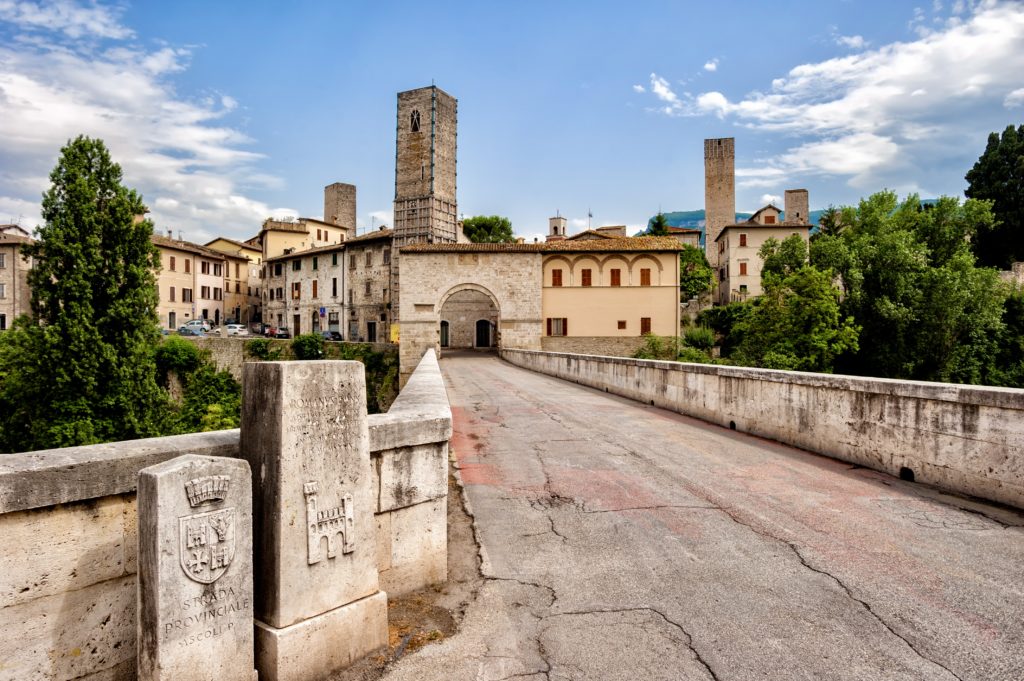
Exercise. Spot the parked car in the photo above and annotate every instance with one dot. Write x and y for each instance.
(282, 332)
(201, 324)
(191, 331)
(236, 330)
(331, 335)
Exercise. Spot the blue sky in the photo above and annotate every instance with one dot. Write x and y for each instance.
(223, 114)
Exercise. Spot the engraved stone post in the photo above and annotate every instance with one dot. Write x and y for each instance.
(304, 432)
(195, 570)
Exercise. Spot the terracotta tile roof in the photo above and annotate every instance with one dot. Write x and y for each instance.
(188, 246)
(358, 241)
(636, 243)
(591, 234)
(758, 225)
(682, 230)
(240, 244)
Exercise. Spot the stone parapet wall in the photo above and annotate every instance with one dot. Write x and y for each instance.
(961, 438)
(68, 517)
(612, 346)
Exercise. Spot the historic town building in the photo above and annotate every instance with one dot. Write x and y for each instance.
(15, 294)
(243, 298)
(190, 282)
(737, 246)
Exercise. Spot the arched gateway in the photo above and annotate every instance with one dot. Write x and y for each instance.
(469, 318)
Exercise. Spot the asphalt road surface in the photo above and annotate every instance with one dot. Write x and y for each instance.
(621, 541)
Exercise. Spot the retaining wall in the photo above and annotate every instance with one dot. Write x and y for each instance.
(962, 438)
(68, 520)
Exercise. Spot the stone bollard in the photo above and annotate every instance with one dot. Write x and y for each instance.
(195, 598)
(304, 432)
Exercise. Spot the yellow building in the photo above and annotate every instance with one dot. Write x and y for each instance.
(280, 237)
(190, 282)
(737, 246)
(242, 282)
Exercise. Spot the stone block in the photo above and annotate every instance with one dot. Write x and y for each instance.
(414, 551)
(317, 646)
(63, 548)
(195, 599)
(70, 635)
(411, 475)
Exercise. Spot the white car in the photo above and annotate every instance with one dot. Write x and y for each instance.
(198, 324)
(237, 330)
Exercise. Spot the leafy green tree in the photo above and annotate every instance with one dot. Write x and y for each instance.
(998, 176)
(695, 274)
(796, 324)
(658, 225)
(782, 259)
(82, 368)
(488, 229)
(308, 346)
(830, 223)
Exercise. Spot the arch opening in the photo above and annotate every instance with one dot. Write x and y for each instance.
(470, 320)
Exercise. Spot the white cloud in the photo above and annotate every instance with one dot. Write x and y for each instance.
(578, 223)
(639, 88)
(770, 198)
(711, 65)
(854, 42)
(884, 111)
(186, 161)
(1014, 99)
(70, 18)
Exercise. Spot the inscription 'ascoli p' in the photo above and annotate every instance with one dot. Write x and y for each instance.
(327, 524)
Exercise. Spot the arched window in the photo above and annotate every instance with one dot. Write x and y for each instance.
(414, 120)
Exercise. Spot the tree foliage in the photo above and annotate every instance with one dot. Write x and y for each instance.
(909, 280)
(658, 225)
(998, 176)
(80, 369)
(695, 274)
(488, 229)
(782, 259)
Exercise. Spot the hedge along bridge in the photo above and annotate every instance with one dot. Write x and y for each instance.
(68, 569)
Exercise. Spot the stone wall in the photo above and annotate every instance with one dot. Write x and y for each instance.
(229, 353)
(612, 346)
(961, 438)
(68, 517)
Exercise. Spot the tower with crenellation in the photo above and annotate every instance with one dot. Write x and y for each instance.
(719, 191)
(426, 210)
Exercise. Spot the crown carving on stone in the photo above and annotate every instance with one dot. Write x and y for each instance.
(207, 489)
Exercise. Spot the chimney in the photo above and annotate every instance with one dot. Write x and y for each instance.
(170, 233)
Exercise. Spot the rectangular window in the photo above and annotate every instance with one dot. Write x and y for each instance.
(204, 292)
(217, 294)
(743, 268)
(186, 294)
(769, 219)
(721, 247)
(743, 288)
(387, 257)
(237, 271)
(622, 323)
(556, 279)
(170, 294)
(280, 293)
(3, 322)
(645, 325)
(3, 291)
(558, 326)
(334, 287)
(170, 267)
(3, 261)
(271, 294)
(277, 269)
(296, 290)
(616, 277)
(238, 287)
(318, 237)
(645, 276)
(334, 259)
(315, 291)
(369, 258)
(217, 269)
(743, 239)
(315, 262)
(296, 265)
(188, 265)
(350, 297)
(367, 291)
(351, 262)
(586, 277)
(204, 267)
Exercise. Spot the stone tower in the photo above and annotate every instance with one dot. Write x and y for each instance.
(719, 191)
(340, 206)
(425, 146)
(556, 228)
(797, 206)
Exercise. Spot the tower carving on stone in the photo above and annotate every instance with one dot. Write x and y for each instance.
(327, 524)
(719, 191)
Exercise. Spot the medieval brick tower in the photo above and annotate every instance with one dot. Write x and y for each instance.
(719, 191)
(425, 177)
(340, 206)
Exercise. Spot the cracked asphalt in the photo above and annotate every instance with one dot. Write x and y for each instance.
(621, 541)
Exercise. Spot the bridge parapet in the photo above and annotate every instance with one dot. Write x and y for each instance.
(961, 438)
(68, 517)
